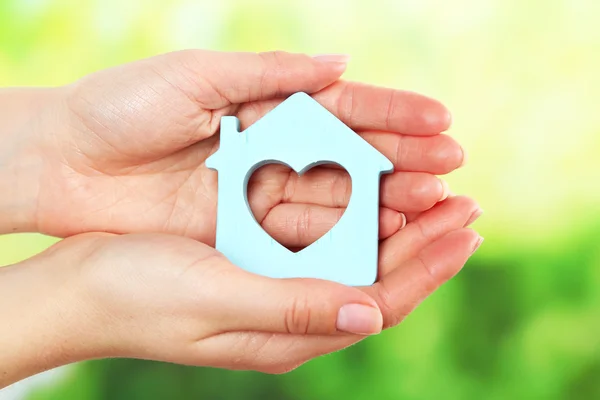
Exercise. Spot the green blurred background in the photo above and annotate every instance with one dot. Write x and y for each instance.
(521, 78)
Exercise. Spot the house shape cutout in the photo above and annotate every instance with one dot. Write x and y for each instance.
(301, 134)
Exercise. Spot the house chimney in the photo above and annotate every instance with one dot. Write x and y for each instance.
(230, 131)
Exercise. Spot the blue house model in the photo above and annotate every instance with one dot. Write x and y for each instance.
(301, 134)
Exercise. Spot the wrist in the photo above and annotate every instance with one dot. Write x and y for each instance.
(46, 321)
(30, 117)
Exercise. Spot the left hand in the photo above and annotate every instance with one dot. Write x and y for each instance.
(123, 150)
(170, 298)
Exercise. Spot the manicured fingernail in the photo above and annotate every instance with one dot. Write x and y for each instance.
(359, 319)
(476, 214)
(465, 157)
(445, 190)
(477, 244)
(332, 58)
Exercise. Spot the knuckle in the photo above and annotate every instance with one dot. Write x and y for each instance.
(265, 73)
(431, 282)
(266, 58)
(392, 315)
(274, 63)
(389, 115)
(341, 188)
(423, 231)
(297, 316)
(290, 186)
(399, 154)
(303, 224)
(346, 105)
(278, 58)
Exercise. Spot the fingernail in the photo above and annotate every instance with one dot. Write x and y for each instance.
(359, 319)
(402, 220)
(332, 58)
(477, 244)
(476, 214)
(465, 157)
(445, 190)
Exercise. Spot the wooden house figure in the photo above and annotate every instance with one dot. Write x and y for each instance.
(301, 134)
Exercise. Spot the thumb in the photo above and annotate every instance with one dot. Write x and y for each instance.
(242, 77)
(251, 302)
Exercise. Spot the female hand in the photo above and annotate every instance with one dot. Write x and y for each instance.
(173, 299)
(123, 150)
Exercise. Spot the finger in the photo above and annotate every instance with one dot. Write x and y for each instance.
(451, 214)
(250, 302)
(439, 154)
(269, 353)
(400, 291)
(243, 77)
(298, 225)
(388, 222)
(401, 191)
(412, 216)
(397, 295)
(366, 107)
(308, 306)
(412, 191)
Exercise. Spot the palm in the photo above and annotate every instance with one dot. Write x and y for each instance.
(140, 135)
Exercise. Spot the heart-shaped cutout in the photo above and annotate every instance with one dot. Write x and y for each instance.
(297, 210)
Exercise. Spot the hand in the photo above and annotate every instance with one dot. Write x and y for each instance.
(125, 148)
(170, 298)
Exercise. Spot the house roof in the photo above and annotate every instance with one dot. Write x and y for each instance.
(301, 124)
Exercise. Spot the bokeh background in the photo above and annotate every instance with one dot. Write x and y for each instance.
(521, 78)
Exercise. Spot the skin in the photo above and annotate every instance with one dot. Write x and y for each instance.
(122, 152)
